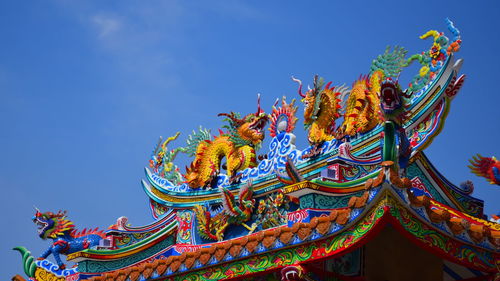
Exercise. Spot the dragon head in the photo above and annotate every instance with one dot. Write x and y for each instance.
(311, 100)
(51, 225)
(393, 100)
(390, 96)
(248, 130)
(322, 104)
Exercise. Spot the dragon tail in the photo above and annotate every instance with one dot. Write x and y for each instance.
(390, 63)
(29, 264)
(292, 173)
(168, 140)
(176, 150)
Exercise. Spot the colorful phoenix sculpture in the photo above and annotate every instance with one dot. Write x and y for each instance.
(237, 146)
(487, 167)
(234, 211)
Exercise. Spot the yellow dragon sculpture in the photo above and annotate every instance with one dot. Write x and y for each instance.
(237, 146)
(362, 111)
(322, 108)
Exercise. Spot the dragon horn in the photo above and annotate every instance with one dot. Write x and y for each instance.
(300, 86)
(259, 110)
(315, 83)
(36, 209)
(327, 87)
(232, 117)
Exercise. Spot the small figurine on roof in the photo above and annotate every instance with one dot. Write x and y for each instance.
(272, 210)
(66, 240)
(235, 212)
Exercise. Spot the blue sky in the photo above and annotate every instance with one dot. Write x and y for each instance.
(86, 89)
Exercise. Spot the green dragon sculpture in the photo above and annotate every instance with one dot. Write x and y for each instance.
(162, 160)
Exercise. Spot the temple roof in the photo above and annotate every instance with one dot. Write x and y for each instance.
(446, 232)
(254, 214)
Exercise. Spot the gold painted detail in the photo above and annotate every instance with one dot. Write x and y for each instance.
(77, 255)
(494, 226)
(43, 275)
(362, 112)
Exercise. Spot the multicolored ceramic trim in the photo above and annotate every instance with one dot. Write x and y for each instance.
(122, 241)
(130, 250)
(427, 128)
(95, 266)
(317, 184)
(161, 191)
(185, 230)
(158, 210)
(454, 196)
(413, 171)
(443, 245)
(320, 201)
(428, 214)
(433, 240)
(122, 225)
(268, 261)
(54, 268)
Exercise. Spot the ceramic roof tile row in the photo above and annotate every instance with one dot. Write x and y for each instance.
(266, 238)
(437, 214)
(285, 234)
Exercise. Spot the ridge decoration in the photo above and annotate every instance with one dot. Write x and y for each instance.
(321, 109)
(66, 240)
(236, 215)
(487, 167)
(283, 118)
(362, 111)
(162, 160)
(238, 146)
(234, 211)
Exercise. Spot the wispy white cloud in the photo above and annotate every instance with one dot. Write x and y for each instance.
(105, 25)
(144, 40)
